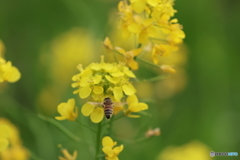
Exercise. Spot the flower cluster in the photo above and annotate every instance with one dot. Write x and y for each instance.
(151, 21)
(109, 149)
(101, 80)
(10, 143)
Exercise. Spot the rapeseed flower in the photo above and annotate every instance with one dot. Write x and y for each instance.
(100, 80)
(129, 57)
(194, 150)
(8, 72)
(134, 106)
(67, 110)
(10, 143)
(109, 149)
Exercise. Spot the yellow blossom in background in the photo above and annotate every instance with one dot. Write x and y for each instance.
(67, 110)
(167, 68)
(194, 150)
(10, 144)
(4, 143)
(8, 72)
(63, 53)
(109, 149)
(67, 155)
(129, 57)
(134, 106)
(101, 80)
(108, 44)
(155, 27)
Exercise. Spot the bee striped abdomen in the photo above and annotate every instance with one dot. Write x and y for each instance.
(108, 108)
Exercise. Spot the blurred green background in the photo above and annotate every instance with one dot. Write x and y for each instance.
(207, 109)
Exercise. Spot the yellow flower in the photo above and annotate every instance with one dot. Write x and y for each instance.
(10, 143)
(96, 113)
(194, 150)
(67, 155)
(175, 33)
(139, 5)
(67, 110)
(161, 50)
(144, 28)
(129, 56)
(134, 106)
(167, 68)
(109, 149)
(101, 80)
(108, 44)
(8, 72)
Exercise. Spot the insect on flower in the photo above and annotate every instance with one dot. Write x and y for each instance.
(108, 106)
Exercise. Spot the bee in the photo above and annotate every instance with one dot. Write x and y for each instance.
(107, 106)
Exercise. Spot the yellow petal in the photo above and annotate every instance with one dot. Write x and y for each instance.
(117, 74)
(128, 89)
(97, 115)
(139, 6)
(108, 151)
(86, 73)
(120, 50)
(113, 80)
(152, 2)
(132, 64)
(118, 149)
(152, 32)
(129, 73)
(113, 158)
(98, 89)
(125, 33)
(147, 22)
(97, 79)
(12, 75)
(85, 92)
(107, 44)
(143, 36)
(71, 103)
(107, 141)
(135, 27)
(118, 94)
(87, 109)
(138, 107)
(132, 99)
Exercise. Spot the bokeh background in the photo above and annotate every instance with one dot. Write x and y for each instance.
(197, 109)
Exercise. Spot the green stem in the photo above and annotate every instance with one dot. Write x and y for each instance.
(149, 63)
(60, 127)
(98, 140)
(157, 78)
(85, 126)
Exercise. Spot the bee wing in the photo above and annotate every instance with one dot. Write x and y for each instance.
(94, 103)
(119, 104)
